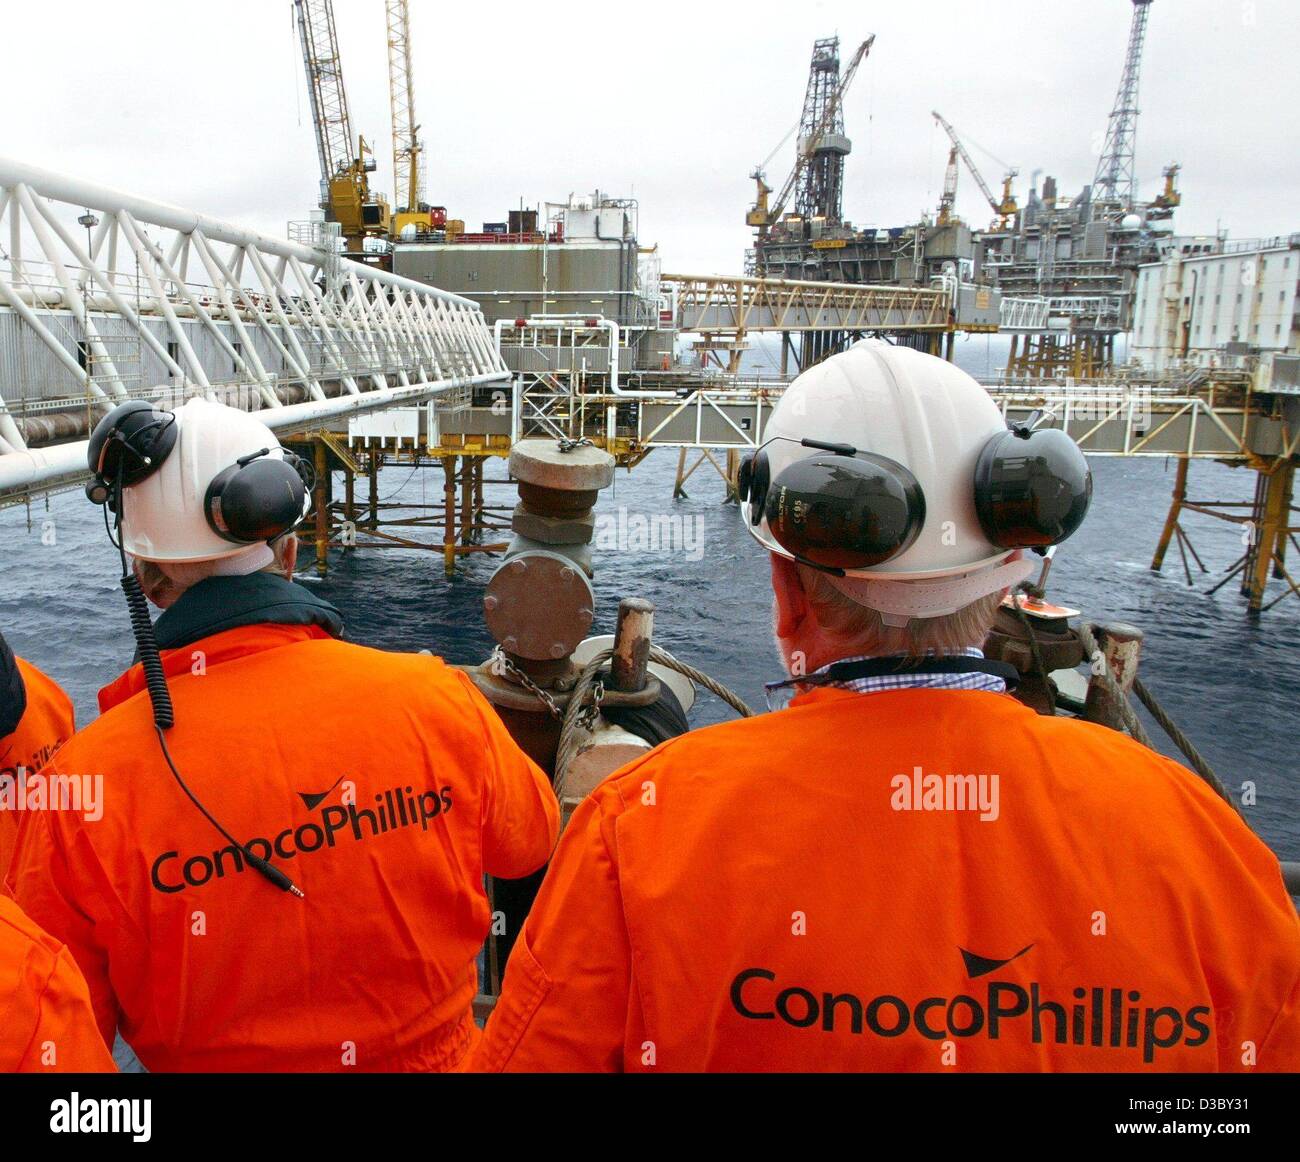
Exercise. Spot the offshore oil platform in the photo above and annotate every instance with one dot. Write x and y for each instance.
(1064, 267)
(377, 334)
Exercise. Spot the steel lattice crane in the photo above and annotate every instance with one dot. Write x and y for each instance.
(1115, 184)
(819, 161)
(408, 149)
(1005, 207)
(345, 183)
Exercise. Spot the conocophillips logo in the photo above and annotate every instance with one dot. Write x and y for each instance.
(393, 809)
(1101, 1017)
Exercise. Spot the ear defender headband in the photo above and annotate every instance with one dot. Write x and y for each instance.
(257, 498)
(849, 510)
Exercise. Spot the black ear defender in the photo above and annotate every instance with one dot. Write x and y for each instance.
(841, 510)
(129, 445)
(1032, 487)
(258, 498)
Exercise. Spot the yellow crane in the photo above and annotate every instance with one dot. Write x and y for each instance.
(1005, 207)
(345, 168)
(1162, 206)
(408, 149)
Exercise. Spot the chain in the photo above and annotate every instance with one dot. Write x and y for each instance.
(499, 664)
(589, 713)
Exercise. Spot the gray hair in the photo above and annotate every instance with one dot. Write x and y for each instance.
(865, 631)
(163, 586)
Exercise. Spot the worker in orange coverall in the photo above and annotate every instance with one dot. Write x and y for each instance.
(905, 869)
(290, 876)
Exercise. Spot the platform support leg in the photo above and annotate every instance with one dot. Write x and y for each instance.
(322, 503)
(1175, 509)
(373, 475)
(449, 515)
(1270, 524)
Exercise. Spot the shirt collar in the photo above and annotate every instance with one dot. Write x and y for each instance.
(779, 694)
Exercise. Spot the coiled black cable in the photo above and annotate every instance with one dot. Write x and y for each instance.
(146, 643)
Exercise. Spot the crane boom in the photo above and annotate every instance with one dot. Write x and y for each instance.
(401, 95)
(1005, 207)
(970, 164)
(329, 99)
(809, 143)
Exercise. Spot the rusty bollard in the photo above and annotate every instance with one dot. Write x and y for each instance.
(1121, 647)
(636, 622)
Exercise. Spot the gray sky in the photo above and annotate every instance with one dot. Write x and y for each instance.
(204, 104)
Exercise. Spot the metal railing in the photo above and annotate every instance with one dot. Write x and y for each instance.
(210, 308)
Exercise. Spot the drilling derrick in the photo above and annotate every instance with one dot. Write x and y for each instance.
(1114, 187)
(821, 137)
(1076, 260)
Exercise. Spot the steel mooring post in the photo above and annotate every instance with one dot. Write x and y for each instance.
(632, 639)
(1121, 647)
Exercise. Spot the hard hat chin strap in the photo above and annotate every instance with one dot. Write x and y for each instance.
(898, 602)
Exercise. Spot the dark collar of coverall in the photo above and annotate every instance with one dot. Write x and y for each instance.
(217, 604)
(13, 691)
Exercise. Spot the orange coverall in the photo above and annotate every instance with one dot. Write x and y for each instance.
(382, 784)
(47, 723)
(788, 892)
(47, 1024)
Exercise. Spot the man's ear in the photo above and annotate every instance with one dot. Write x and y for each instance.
(791, 600)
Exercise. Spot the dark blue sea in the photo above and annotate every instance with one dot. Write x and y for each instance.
(1230, 682)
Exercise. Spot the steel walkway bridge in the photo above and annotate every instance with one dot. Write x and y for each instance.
(106, 297)
(717, 305)
(1202, 418)
(724, 310)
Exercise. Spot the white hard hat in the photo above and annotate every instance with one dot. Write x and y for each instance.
(929, 417)
(163, 516)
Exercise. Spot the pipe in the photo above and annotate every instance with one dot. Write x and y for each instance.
(44, 465)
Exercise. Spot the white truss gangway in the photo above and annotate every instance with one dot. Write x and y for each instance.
(105, 297)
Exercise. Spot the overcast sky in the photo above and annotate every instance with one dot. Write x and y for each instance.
(204, 104)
